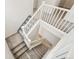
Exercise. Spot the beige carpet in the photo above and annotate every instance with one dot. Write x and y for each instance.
(21, 51)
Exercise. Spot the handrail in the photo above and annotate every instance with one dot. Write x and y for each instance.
(56, 19)
(34, 14)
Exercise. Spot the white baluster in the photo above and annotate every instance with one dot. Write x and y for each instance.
(66, 22)
(50, 15)
(55, 12)
(46, 15)
(57, 17)
(57, 24)
(50, 19)
(54, 16)
(66, 26)
(69, 28)
(49, 12)
(63, 25)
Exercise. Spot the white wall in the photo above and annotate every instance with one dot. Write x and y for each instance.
(16, 12)
(70, 15)
(46, 31)
(49, 33)
(49, 36)
(65, 44)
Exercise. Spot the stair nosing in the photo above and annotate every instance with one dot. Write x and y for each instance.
(22, 53)
(19, 49)
(17, 45)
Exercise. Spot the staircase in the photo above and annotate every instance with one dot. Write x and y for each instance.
(52, 15)
(21, 51)
(16, 45)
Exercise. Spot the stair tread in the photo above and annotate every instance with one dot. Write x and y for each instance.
(18, 48)
(32, 54)
(14, 40)
(37, 52)
(18, 54)
(41, 50)
(24, 56)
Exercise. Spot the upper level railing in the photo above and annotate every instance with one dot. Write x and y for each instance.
(55, 16)
(52, 15)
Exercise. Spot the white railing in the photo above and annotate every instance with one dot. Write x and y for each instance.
(53, 16)
(32, 21)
